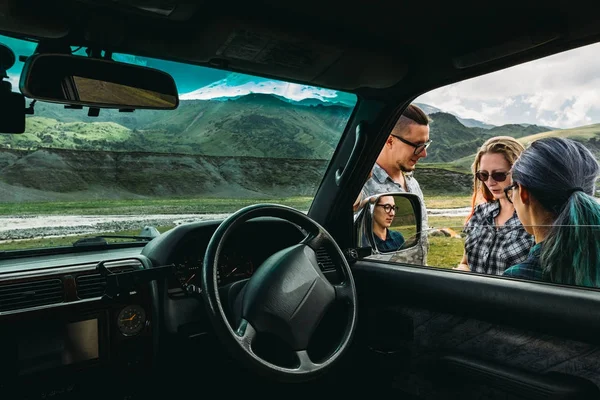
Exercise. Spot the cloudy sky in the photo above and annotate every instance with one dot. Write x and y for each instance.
(561, 91)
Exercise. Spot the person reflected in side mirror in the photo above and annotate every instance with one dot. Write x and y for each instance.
(553, 193)
(386, 239)
(393, 171)
(495, 238)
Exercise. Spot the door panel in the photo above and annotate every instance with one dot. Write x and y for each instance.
(440, 334)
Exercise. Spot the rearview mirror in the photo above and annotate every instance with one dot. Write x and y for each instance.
(76, 80)
(389, 223)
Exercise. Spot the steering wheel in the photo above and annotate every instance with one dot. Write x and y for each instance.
(287, 296)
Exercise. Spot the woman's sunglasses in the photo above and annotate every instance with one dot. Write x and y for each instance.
(497, 176)
(508, 191)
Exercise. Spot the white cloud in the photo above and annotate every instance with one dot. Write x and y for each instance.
(239, 85)
(560, 90)
(14, 81)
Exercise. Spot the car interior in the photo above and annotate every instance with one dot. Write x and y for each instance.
(264, 298)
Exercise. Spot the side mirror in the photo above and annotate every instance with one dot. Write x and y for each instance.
(389, 223)
(76, 80)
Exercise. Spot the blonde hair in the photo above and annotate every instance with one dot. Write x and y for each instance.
(509, 147)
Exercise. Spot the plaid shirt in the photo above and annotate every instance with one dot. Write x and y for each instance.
(530, 268)
(491, 249)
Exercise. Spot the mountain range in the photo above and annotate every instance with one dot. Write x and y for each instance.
(254, 125)
(250, 145)
(251, 125)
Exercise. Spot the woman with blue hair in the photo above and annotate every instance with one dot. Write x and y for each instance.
(552, 191)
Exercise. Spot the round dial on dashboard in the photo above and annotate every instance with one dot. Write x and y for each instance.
(131, 320)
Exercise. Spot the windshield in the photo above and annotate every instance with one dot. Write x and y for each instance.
(234, 140)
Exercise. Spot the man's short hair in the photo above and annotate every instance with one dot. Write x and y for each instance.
(411, 115)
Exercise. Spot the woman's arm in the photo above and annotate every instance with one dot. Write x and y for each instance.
(464, 264)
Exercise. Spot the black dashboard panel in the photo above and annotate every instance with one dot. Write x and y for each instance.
(245, 250)
(184, 246)
(259, 235)
(58, 334)
(175, 320)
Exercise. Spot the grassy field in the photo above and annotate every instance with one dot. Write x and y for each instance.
(441, 253)
(445, 252)
(447, 201)
(24, 244)
(180, 206)
(154, 206)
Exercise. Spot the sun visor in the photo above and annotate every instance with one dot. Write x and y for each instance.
(31, 21)
(261, 49)
(360, 68)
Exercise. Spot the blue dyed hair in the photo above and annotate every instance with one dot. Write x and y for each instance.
(561, 175)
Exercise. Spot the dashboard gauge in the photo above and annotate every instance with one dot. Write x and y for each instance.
(131, 320)
(188, 272)
(234, 267)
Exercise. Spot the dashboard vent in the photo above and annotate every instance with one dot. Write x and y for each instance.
(324, 260)
(16, 296)
(93, 285)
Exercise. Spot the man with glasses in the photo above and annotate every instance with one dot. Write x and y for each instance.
(393, 170)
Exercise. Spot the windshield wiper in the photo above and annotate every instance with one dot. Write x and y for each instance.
(147, 234)
(100, 240)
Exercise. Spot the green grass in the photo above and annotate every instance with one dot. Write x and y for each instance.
(179, 206)
(450, 166)
(581, 132)
(449, 201)
(61, 241)
(202, 206)
(455, 223)
(445, 252)
(153, 206)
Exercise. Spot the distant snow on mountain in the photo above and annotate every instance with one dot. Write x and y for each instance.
(236, 85)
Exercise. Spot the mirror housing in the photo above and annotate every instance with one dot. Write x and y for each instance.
(12, 110)
(94, 82)
(402, 229)
(12, 105)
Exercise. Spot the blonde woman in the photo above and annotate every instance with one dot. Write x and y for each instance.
(495, 238)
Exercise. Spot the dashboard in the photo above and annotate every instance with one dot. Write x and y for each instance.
(243, 252)
(59, 333)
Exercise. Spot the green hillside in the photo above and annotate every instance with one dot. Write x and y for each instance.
(255, 125)
(58, 174)
(589, 135)
(42, 132)
(453, 140)
(251, 146)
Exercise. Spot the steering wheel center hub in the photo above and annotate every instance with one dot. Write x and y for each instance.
(288, 296)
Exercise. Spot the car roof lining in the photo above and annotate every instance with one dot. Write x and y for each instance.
(376, 50)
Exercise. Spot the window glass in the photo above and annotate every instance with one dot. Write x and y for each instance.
(531, 131)
(234, 140)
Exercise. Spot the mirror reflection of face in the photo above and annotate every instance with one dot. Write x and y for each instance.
(382, 218)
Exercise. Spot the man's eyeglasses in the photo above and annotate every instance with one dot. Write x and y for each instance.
(388, 208)
(419, 148)
(508, 191)
(497, 176)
